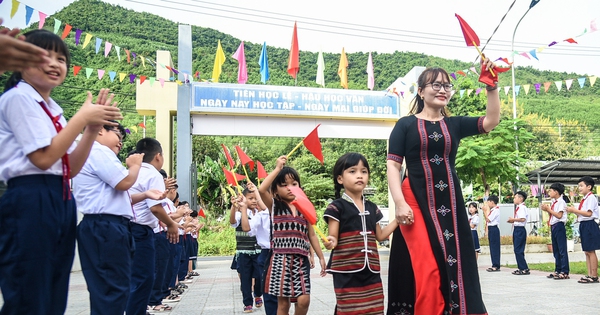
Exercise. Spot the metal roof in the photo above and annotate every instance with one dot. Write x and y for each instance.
(565, 171)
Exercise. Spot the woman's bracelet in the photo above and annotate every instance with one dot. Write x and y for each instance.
(491, 87)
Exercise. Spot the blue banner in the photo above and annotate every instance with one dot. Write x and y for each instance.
(296, 101)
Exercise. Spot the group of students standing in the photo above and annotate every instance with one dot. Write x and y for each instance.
(587, 213)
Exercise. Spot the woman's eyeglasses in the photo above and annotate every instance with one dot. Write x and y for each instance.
(436, 86)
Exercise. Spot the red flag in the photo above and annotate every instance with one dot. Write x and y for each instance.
(570, 40)
(142, 78)
(244, 158)
(76, 70)
(313, 144)
(260, 170)
(201, 213)
(487, 78)
(66, 31)
(294, 61)
(142, 125)
(304, 205)
(228, 156)
(470, 37)
(230, 179)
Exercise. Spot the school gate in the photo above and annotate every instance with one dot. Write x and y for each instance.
(215, 109)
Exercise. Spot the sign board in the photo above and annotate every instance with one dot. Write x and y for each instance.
(293, 101)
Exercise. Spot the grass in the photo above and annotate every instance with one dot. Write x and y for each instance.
(507, 240)
(577, 267)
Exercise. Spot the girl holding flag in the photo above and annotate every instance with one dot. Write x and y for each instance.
(353, 234)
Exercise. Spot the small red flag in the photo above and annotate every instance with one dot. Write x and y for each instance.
(142, 125)
(313, 144)
(66, 31)
(76, 70)
(470, 37)
(261, 173)
(230, 179)
(486, 76)
(142, 78)
(201, 213)
(570, 40)
(304, 205)
(294, 60)
(128, 56)
(244, 158)
(228, 156)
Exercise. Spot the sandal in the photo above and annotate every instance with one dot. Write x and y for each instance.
(588, 279)
(493, 269)
(561, 276)
(552, 275)
(172, 299)
(161, 308)
(521, 272)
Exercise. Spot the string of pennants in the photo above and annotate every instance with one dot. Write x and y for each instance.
(130, 55)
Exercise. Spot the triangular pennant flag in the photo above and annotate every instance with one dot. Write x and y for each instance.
(231, 178)
(506, 89)
(142, 79)
(547, 86)
(66, 31)
(570, 40)
(568, 83)
(201, 213)
(537, 88)
(88, 72)
(401, 94)
(453, 75)
(552, 44)
(132, 78)
(122, 76)
(134, 55)
(228, 156)
(524, 54)
(112, 75)
(517, 89)
(313, 144)
(533, 54)
(107, 48)
(100, 74)
(98, 43)
(185, 77)
(134, 128)
(76, 70)
(128, 57)
(303, 205)
(461, 92)
(294, 59)
(473, 70)
(343, 69)
(477, 91)
(88, 38)
(14, 9)
(260, 170)
(77, 36)
(558, 84)
(28, 14)
(127, 131)
(469, 92)
(143, 61)
(526, 87)
(57, 24)
(581, 82)
(244, 158)
(593, 80)
(142, 125)
(162, 82)
(42, 20)
(178, 82)
(540, 49)
(593, 27)
(461, 73)
(471, 37)
(118, 50)
(152, 80)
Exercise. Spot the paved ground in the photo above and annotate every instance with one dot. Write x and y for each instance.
(216, 291)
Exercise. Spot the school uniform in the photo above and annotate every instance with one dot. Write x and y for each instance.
(104, 237)
(494, 236)
(520, 236)
(37, 212)
(142, 269)
(559, 236)
(588, 228)
(260, 227)
(474, 220)
(247, 253)
(162, 273)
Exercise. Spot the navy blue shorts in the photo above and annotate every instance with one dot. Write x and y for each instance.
(590, 235)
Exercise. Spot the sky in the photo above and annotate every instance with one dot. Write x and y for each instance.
(427, 26)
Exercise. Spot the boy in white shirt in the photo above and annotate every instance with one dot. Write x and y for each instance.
(492, 212)
(519, 233)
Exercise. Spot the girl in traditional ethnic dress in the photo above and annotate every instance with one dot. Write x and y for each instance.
(353, 234)
(433, 269)
(288, 272)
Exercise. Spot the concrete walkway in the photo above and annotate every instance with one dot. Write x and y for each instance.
(216, 290)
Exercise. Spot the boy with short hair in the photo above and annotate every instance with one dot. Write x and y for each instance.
(492, 213)
(589, 231)
(519, 233)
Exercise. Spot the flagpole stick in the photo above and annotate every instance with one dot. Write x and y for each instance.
(294, 149)
(236, 182)
(323, 237)
(245, 172)
(482, 58)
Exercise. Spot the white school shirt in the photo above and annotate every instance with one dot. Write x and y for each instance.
(25, 128)
(94, 186)
(148, 178)
(474, 219)
(494, 216)
(520, 214)
(260, 226)
(589, 202)
(559, 205)
(169, 207)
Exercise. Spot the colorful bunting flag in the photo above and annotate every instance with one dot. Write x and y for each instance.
(100, 74)
(107, 48)
(77, 36)
(547, 86)
(343, 70)
(66, 31)
(581, 82)
(132, 78)
(517, 89)
(219, 61)
(201, 213)
(98, 43)
(320, 70)
(56, 25)
(112, 75)
(242, 67)
(526, 88)
(533, 54)
(42, 19)
(263, 62)
(76, 70)
(88, 72)
(558, 84)
(128, 57)
(122, 76)
(370, 73)
(118, 49)
(142, 79)
(568, 83)
(152, 80)
(593, 80)
(537, 88)
(28, 14)
(294, 59)
(570, 40)
(162, 82)
(88, 38)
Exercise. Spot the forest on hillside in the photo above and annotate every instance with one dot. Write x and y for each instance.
(555, 124)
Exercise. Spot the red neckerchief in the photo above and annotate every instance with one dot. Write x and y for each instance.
(583, 200)
(65, 158)
(552, 208)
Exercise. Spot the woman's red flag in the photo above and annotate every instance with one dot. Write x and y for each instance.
(313, 144)
(470, 37)
(228, 156)
(245, 159)
(304, 205)
(260, 170)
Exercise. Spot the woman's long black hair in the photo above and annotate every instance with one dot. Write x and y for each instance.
(46, 40)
